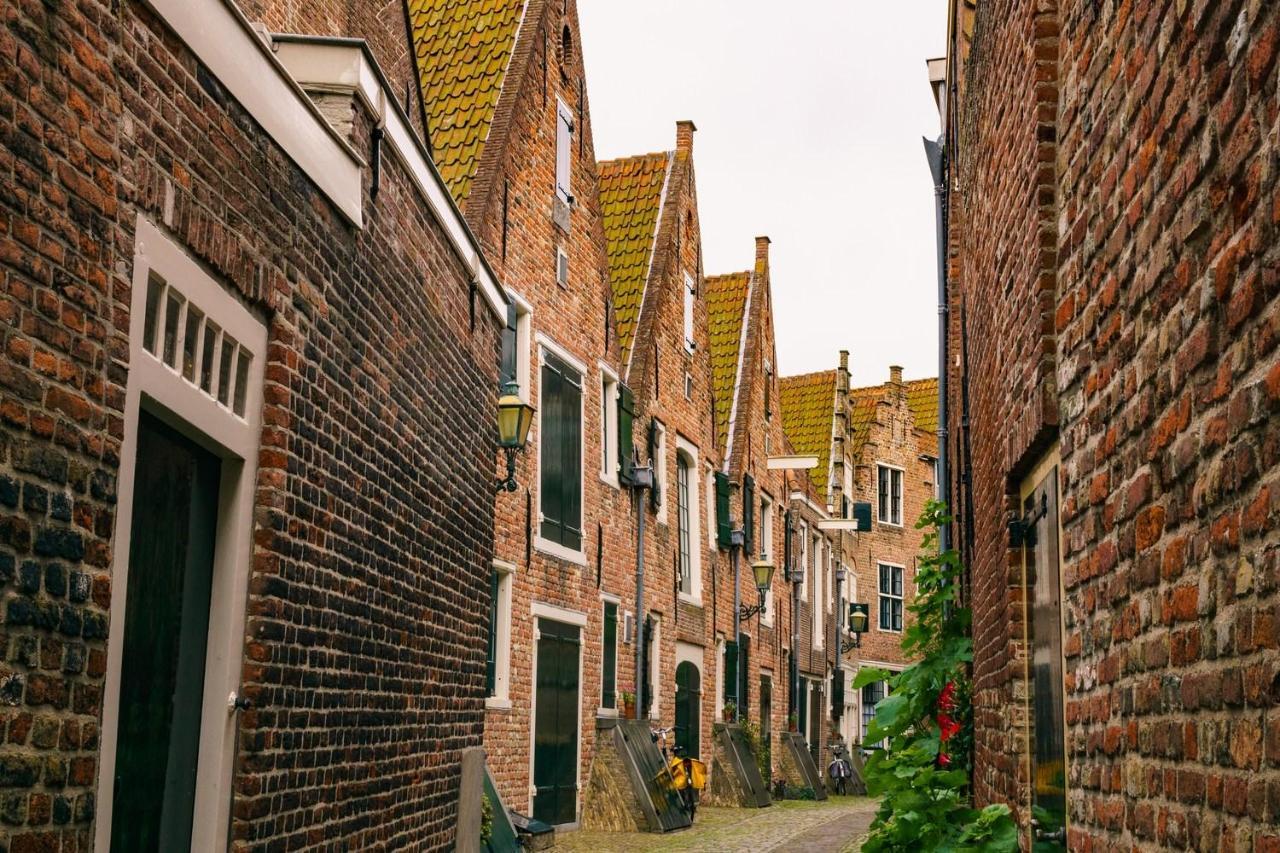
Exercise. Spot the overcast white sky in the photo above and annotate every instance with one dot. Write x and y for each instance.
(810, 116)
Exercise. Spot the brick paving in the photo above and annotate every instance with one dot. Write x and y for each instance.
(833, 826)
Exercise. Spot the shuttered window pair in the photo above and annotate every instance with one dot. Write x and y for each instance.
(561, 454)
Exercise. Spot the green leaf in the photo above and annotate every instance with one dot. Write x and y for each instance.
(870, 675)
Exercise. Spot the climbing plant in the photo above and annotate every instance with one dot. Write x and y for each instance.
(927, 722)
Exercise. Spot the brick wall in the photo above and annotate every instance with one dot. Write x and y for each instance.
(1152, 161)
(374, 504)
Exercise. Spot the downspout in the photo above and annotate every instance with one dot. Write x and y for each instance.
(938, 168)
(641, 479)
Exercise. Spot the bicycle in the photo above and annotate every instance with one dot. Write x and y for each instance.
(688, 776)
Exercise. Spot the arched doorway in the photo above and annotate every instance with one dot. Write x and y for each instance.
(688, 708)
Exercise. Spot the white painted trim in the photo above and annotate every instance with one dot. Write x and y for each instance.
(542, 610)
(219, 35)
(524, 346)
(560, 552)
(792, 463)
(613, 599)
(644, 290)
(542, 339)
(609, 428)
(801, 497)
(501, 700)
(876, 481)
(737, 381)
(903, 598)
(162, 391)
(689, 450)
(347, 63)
(655, 673)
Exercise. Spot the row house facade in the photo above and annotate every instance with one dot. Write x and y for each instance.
(1114, 389)
(875, 445)
(250, 369)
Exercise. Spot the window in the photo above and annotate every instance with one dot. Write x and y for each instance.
(689, 293)
(658, 454)
(560, 454)
(890, 597)
(688, 386)
(819, 576)
(609, 652)
(711, 507)
(871, 694)
(608, 428)
(748, 515)
(683, 518)
(724, 528)
(498, 661)
(889, 494)
(515, 349)
(562, 267)
(653, 662)
(688, 520)
(804, 561)
(564, 149)
(766, 548)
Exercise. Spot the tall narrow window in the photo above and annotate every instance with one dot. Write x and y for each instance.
(684, 518)
(608, 428)
(658, 455)
(890, 597)
(515, 349)
(748, 514)
(889, 494)
(819, 584)
(872, 694)
(560, 482)
(766, 548)
(564, 151)
(498, 661)
(609, 654)
(689, 293)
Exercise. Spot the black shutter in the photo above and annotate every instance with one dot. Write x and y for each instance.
(837, 694)
(508, 368)
(787, 562)
(744, 674)
(491, 661)
(730, 672)
(648, 666)
(561, 452)
(608, 692)
(748, 514)
(723, 527)
(626, 441)
(572, 464)
(655, 494)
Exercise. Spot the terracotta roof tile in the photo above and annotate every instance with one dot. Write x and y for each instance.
(726, 303)
(808, 415)
(462, 48)
(631, 200)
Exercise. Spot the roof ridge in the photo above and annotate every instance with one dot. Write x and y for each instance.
(629, 157)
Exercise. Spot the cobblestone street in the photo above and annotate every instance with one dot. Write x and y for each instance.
(834, 826)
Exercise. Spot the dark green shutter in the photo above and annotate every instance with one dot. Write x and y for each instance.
(626, 441)
(609, 688)
(655, 494)
(647, 669)
(787, 566)
(491, 663)
(561, 454)
(837, 694)
(723, 527)
(730, 672)
(748, 514)
(509, 343)
(744, 674)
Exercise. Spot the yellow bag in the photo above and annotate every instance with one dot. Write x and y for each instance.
(698, 771)
(677, 773)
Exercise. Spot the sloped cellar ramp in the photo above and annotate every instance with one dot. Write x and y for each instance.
(630, 788)
(798, 767)
(735, 776)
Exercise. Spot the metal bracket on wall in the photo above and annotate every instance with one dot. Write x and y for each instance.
(1022, 531)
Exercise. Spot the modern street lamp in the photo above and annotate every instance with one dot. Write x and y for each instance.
(515, 416)
(762, 570)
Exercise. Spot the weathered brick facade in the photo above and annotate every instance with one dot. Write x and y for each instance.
(1113, 210)
(372, 517)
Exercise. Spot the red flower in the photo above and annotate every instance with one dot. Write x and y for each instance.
(944, 760)
(947, 698)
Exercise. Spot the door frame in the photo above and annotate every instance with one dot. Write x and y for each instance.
(579, 620)
(1050, 459)
(162, 391)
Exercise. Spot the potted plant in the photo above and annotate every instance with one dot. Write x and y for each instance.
(628, 705)
(730, 712)
(793, 722)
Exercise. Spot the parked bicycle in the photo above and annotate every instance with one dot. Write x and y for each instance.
(688, 776)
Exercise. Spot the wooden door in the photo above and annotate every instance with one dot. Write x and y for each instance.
(555, 733)
(688, 723)
(165, 633)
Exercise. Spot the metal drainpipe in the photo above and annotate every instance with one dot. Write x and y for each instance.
(937, 166)
(736, 538)
(642, 478)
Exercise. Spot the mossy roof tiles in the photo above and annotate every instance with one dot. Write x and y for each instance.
(462, 49)
(922, 397)
(631, 201)
(726, 304)
(808, 412)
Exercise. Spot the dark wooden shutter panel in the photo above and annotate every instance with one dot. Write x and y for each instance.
(572, 466)
(730, 672)
(552, 427)
(509, 344)
(787, 563)
(491, 662)
(626, 440)
(748, 514)
(561, 477)
(723, 527)
(655, 494)
(837, 694)
(608, 692)
(744, 674)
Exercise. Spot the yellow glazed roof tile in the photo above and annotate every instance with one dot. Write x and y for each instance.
(462, 49)
(808, 415)
(922, 398)
(726, 302)
(631, 200)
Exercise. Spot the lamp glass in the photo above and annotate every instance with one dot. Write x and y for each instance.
(514, 419)
(857, 618)
(762, 569)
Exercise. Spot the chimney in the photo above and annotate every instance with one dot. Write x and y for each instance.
(842, 375)
(762, 250)
(895, 375)
(844, 361)
(684, 137)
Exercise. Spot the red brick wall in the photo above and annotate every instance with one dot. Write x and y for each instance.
(1154, 226)
(371, 431)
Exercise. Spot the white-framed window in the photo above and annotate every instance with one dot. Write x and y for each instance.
(804, 561)
(871, 694)
(819, 584)
(688, 521)
(889, 494)
(498, 660)
(660, 469)
(516, 346)
(891, 580)
(560, 453)
(828, 576)
(710, 480)
(610, 629)
(608, 426)
(564, 151)
(766, 548)
(690, 291)
(562, 267)
(654, 664)
(688, 386)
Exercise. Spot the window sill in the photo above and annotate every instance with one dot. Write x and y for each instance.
(695, 600)
(609, 481)
(497, 703)
(555, 549)
(607, 713)
(882, 523)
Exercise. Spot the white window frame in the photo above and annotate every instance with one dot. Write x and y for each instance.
(655, 669)
(880, 594)
(609, 425)
(804, 561)
(689, 451)
(546, 546)
(602, 711)
(501, 698)
(690, 291)
(524, 346)
(564, 152)
(766, 548)
(828, 576)
(161, 390)
(901, 475)
(562, 263)
(688, 386)
(817, 628)
(660, 469)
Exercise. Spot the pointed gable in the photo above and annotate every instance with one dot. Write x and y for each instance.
(726, 304)
(462, 49)
(808, 417)
(631, 192)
